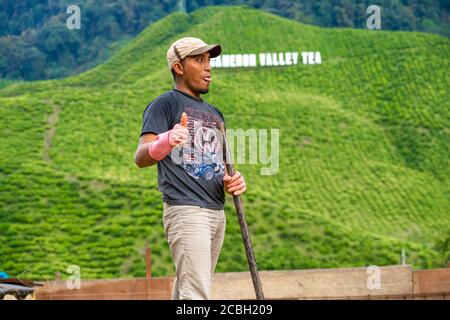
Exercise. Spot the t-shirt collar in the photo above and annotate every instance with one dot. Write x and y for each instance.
(188, 95)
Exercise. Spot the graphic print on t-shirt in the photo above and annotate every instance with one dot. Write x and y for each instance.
(202, 154)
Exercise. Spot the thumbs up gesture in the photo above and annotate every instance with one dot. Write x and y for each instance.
(183, 121)
(179, 134)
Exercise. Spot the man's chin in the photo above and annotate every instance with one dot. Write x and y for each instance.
(203, 91)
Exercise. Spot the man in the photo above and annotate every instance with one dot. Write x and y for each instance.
(180, 134)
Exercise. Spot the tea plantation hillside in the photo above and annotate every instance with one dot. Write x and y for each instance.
(363, 168)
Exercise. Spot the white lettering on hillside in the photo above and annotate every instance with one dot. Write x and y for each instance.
(266, 59)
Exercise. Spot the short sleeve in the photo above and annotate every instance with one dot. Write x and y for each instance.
(158, 116)
(221, 115)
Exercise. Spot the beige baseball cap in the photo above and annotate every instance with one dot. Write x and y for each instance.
(190, 46)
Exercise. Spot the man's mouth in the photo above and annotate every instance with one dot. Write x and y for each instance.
(207, 79)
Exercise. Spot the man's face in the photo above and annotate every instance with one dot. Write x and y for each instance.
(197, 73)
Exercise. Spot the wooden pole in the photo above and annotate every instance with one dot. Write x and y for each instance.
(240, 213)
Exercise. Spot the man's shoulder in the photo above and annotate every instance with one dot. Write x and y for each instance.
(215, 108)
(165, 99)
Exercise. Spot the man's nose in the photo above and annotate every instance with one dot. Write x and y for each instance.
(208, 66)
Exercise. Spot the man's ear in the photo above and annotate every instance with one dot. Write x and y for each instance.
(178, 68)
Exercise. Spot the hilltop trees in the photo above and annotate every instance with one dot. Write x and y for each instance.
(35, 43)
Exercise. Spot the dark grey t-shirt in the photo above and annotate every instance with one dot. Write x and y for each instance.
(191, 174)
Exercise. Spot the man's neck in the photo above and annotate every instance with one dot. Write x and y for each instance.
(186, 89)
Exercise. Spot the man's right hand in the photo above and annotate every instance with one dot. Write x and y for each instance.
(178, 135)
(153, 148)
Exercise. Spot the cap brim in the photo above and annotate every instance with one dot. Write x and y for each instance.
(214, 50)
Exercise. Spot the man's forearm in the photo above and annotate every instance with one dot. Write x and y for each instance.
(150, 152)
(142, 157)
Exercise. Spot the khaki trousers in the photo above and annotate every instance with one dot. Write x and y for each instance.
(195, 236)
